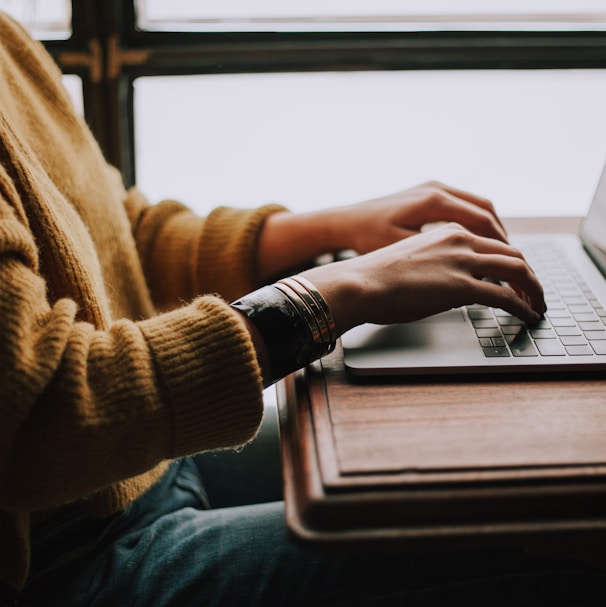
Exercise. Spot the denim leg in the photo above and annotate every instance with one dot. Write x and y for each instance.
(173, 552)
(168, 550)
(243, 557)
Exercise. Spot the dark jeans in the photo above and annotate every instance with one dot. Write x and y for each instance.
(170, 548)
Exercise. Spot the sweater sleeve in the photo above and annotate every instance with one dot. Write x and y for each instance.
(184, 255)
(83, 408)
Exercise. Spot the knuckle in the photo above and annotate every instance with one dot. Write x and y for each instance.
(434, 194)
(486, 220)
(433, 184)
(491, 208)
(520, 266)
(457, 235)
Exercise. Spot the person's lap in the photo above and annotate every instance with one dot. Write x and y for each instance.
(169, 549)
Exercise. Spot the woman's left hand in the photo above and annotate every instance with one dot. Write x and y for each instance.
(376, 223)
(290, 240)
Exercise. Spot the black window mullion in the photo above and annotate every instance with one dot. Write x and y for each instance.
(189, 52)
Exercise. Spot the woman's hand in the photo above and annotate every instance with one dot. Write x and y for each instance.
(429, 273)
(376, 223)
(290, 240)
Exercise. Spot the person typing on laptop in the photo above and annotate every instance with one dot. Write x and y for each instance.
(122, 357)
(403, 273)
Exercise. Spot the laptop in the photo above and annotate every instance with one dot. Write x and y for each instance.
(476, 339)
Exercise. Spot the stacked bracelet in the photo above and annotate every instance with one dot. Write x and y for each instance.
(310, 302)
(295, 322)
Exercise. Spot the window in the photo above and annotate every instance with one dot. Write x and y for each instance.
(328, 101)
(48, 20)
(379, 111)
(532, 141)
(365, 15)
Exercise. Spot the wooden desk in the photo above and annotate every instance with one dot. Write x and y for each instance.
(414, 462)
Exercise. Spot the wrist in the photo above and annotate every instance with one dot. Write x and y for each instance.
(290, 324)
(344, 291)
(292, 240)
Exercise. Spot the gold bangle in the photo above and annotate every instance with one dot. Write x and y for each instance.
(302, 308)
(330, 321)
(314, 307)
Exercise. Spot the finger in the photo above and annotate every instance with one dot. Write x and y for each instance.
(501, 296)
(519, 276)
(474, 199)
(447, 207)
(485, 203)
(501, 261)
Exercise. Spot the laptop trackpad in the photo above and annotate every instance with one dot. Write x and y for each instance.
(446, 328)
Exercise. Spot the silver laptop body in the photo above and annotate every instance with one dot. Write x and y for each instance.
(476, 339)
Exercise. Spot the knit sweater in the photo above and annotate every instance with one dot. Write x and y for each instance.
(112, 359)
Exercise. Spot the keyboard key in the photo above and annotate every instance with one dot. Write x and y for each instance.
(579, 350)
(479, 313)
(568, 331)
(542, 333)
(550, 347)
(573, 340)
(485, 323)
(513, 329)
(595, 335)
(485, 342)
(488, 333)
(522, 346)
(572, 293)
(564, 321)
(584, 309)
(574, 301)
(495, 352)
(509, 321)
(498, 312)
(599, 347)
(586, 317)
(591, 326)
(561, 312)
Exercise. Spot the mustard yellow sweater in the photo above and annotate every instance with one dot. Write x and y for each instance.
(98, 391)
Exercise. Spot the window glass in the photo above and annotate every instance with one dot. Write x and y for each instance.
(360, 15)
(73, 84)
(532, 141)
(46, 19)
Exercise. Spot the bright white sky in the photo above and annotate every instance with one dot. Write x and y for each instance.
(532, 141)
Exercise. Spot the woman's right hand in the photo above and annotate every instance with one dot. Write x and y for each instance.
(429, 273)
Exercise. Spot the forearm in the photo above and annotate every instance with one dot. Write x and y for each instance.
(289, 241)
(184, 255)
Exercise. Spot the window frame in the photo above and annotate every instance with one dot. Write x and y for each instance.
(109, 52)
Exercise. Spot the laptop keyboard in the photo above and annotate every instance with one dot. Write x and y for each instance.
(574, 324)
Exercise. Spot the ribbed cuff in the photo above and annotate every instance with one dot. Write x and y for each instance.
(233, 271)
(208, 374)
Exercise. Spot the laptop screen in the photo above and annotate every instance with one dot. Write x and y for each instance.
(593, 230)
